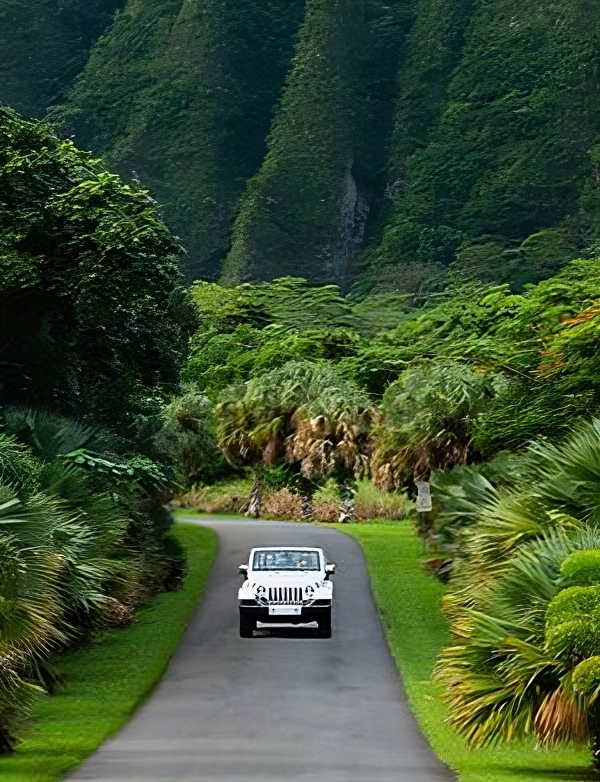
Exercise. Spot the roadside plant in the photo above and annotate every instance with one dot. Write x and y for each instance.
(524, 603)
(426, 418)
(187, 438)
(305, 415)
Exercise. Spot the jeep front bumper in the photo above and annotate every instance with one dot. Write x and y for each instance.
(311, 613)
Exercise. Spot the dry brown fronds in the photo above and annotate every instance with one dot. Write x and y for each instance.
(281, 504)
(327, 510)
(118, 614)
(559, 718)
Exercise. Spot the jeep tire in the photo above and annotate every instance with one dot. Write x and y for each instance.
(325, 624)
(247, 624)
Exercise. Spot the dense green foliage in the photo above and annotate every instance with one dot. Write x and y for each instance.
(304, 414)
(409, 600)
(93, 329)
(405, 137)
(523, 603)
(180, 95)
(498, 162)
(44, 46)
(90, 309)
(304, 213)
(105, 682)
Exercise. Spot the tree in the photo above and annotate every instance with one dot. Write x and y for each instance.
(426, 419)
(90, 311)
(303, 414)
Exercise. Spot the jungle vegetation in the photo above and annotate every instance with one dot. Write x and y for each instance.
(391, 214)
(493, 397)
(93, 329)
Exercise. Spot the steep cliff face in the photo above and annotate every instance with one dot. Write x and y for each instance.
(511, 155)
(304, 212)
(43, 46)
(180, 94)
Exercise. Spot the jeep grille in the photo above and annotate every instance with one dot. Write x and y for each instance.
(285, 595)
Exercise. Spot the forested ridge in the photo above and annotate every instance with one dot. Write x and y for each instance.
(307, 260)
(363, 143)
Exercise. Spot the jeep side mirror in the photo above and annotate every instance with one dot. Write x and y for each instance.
(330, 568)
(243, 570)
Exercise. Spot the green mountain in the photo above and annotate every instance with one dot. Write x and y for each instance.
(44, 45)
(180, 95)
(304, 212)
(497, 165)
(380, 144)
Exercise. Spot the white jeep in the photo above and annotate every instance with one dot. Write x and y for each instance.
(286, 584)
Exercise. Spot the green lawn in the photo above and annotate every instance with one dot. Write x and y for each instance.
(409, 603)
(107, 681)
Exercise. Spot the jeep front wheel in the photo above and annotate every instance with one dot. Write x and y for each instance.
(247, 624)
(325, 624)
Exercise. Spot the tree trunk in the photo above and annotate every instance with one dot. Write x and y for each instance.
(347, 512)
(306, 506)
(306, 498)
(348, 509)
(594, 728)
(254, 505)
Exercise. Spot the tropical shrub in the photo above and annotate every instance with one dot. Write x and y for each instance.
(523, 602)
(187, 438)
(230, 495)
(373, 503)
(282, 504)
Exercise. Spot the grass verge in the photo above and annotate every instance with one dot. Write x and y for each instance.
(409, 602)
(107, 681)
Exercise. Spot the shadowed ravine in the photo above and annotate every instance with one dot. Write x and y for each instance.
(282, 706)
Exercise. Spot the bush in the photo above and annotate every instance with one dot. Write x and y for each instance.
(582, 568)
(327, 510)
(281, 504)
(226, 497)
(586, 678)
(187, 438)
(373, 503)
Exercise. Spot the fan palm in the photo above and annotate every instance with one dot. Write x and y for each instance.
(519, 662)
(303, 414)
(48, 434)
(426, 419)
(62, 561)
(502, 681)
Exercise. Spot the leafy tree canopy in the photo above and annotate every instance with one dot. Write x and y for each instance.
(93, 324)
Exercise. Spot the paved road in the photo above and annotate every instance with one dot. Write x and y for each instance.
(283, 707)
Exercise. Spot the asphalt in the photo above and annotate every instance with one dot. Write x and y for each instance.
(284, 705)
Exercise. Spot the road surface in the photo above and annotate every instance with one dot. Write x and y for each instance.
(285, 706)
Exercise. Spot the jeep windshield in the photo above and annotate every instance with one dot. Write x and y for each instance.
(286, 560)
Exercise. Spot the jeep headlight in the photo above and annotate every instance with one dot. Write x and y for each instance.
(309, 591)
(261, 591)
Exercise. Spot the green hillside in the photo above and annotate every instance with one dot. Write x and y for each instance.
(44, 45)
(304, 212)
(506, 150)
(362, 142)
(180, 95)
